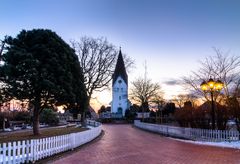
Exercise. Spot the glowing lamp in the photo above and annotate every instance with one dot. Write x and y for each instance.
(211, 86)
(204, 86)
(211, 83)
(219, 85)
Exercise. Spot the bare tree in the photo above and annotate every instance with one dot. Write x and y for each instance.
(97, 58)
(160, 102)
(222, 66)
(193, 99)
(180, 99)
(144, 90)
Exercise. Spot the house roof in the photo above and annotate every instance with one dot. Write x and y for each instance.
(207, 105)
(120, 69)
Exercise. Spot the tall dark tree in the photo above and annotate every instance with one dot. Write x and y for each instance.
(169, 108)
(2, 45)
(39, 67)
(233, 107)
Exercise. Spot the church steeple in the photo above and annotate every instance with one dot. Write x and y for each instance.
(120, 102)
(120, 69)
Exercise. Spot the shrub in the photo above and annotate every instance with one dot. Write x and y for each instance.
(49, 117)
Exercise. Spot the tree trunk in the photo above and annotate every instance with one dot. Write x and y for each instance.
(36, 121)
(83, 117)
(3, 123)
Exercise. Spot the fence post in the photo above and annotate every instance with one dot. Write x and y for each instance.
(14, 152)
(40, 148)
(4, 153)
(31, 150)
(34, 150)
(72, 140)
(28, 149)
(18, 152)
(9, 152)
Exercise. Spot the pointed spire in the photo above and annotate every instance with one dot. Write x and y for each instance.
(120, 69)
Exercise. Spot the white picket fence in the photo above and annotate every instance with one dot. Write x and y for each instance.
(35, 149)
(190, 133)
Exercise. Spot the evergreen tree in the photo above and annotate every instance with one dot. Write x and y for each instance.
(39, 67)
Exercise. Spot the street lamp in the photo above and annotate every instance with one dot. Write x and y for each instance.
(212, 86)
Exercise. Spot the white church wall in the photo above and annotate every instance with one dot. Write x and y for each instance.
(120, 96)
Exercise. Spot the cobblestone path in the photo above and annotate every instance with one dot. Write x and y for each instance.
(123, 144)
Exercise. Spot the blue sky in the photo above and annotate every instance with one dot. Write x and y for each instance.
(171, 35)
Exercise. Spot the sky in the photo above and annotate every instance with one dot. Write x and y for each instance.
(172, 36)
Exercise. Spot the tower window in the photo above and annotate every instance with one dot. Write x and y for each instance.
(117, 89)
(119, 81)
(122, 89)
(120, 97)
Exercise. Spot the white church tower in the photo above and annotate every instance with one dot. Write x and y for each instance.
(120, 88)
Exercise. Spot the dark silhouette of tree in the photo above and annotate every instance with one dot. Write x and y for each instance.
(131, 113)
(200, 117)
(233, 107)
(102, 109)
(22, 116)
(135, 108)
(169, 108)
(40, 68)
(144, 107)
(47, 116)
(180, 99)
(2, 46)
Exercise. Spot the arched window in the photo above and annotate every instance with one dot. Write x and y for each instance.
(119, 110)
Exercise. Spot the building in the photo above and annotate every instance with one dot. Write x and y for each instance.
(120, 101)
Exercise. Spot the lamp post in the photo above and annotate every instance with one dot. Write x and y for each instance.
(212, 86)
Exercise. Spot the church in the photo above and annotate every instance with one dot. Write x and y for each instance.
(120, 102)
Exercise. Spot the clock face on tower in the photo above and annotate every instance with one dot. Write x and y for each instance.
(119, 81)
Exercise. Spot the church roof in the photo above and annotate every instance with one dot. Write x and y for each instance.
(120, 69)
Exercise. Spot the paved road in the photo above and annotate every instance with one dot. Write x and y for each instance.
(123, 144)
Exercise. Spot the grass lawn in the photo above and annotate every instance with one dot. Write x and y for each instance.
(47, 132)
